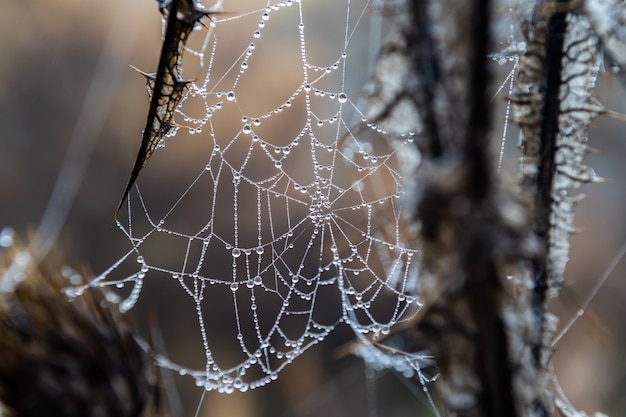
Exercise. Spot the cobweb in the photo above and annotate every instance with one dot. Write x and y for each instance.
(292, 220)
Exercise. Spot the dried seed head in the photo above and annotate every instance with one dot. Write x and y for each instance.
(66, 358)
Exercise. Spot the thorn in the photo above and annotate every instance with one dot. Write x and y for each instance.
(176, 125)
(150, 76)
(614, 115)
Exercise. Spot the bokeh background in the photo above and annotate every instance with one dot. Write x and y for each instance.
(50, 58)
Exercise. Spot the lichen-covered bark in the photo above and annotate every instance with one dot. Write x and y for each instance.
(554, 106)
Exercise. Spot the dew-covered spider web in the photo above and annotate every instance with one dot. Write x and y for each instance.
(290, 221)
(278, 207)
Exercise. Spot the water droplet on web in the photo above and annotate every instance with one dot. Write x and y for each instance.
(230, 96)
(140, 259)
(307, 88)
(260, 250)
(247, 129)
(261, 24)
(244, 65)
(257, 34)
(234, 286)
(7, 237)
(278, 164)
(236, 252)
(342, 98)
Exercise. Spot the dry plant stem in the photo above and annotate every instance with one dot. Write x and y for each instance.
(167, 86)
(546, 167)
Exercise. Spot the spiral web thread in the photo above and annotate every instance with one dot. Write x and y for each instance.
(291, 214)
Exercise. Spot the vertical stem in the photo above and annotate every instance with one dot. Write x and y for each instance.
(557, 27)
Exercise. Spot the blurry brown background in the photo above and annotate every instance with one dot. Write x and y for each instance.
(49, 53)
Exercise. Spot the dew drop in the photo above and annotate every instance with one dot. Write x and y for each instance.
(342, 98)
(236, 252)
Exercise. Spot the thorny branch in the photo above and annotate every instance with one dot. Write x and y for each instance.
(168, 88)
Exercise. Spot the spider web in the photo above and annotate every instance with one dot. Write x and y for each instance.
(294, 212)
